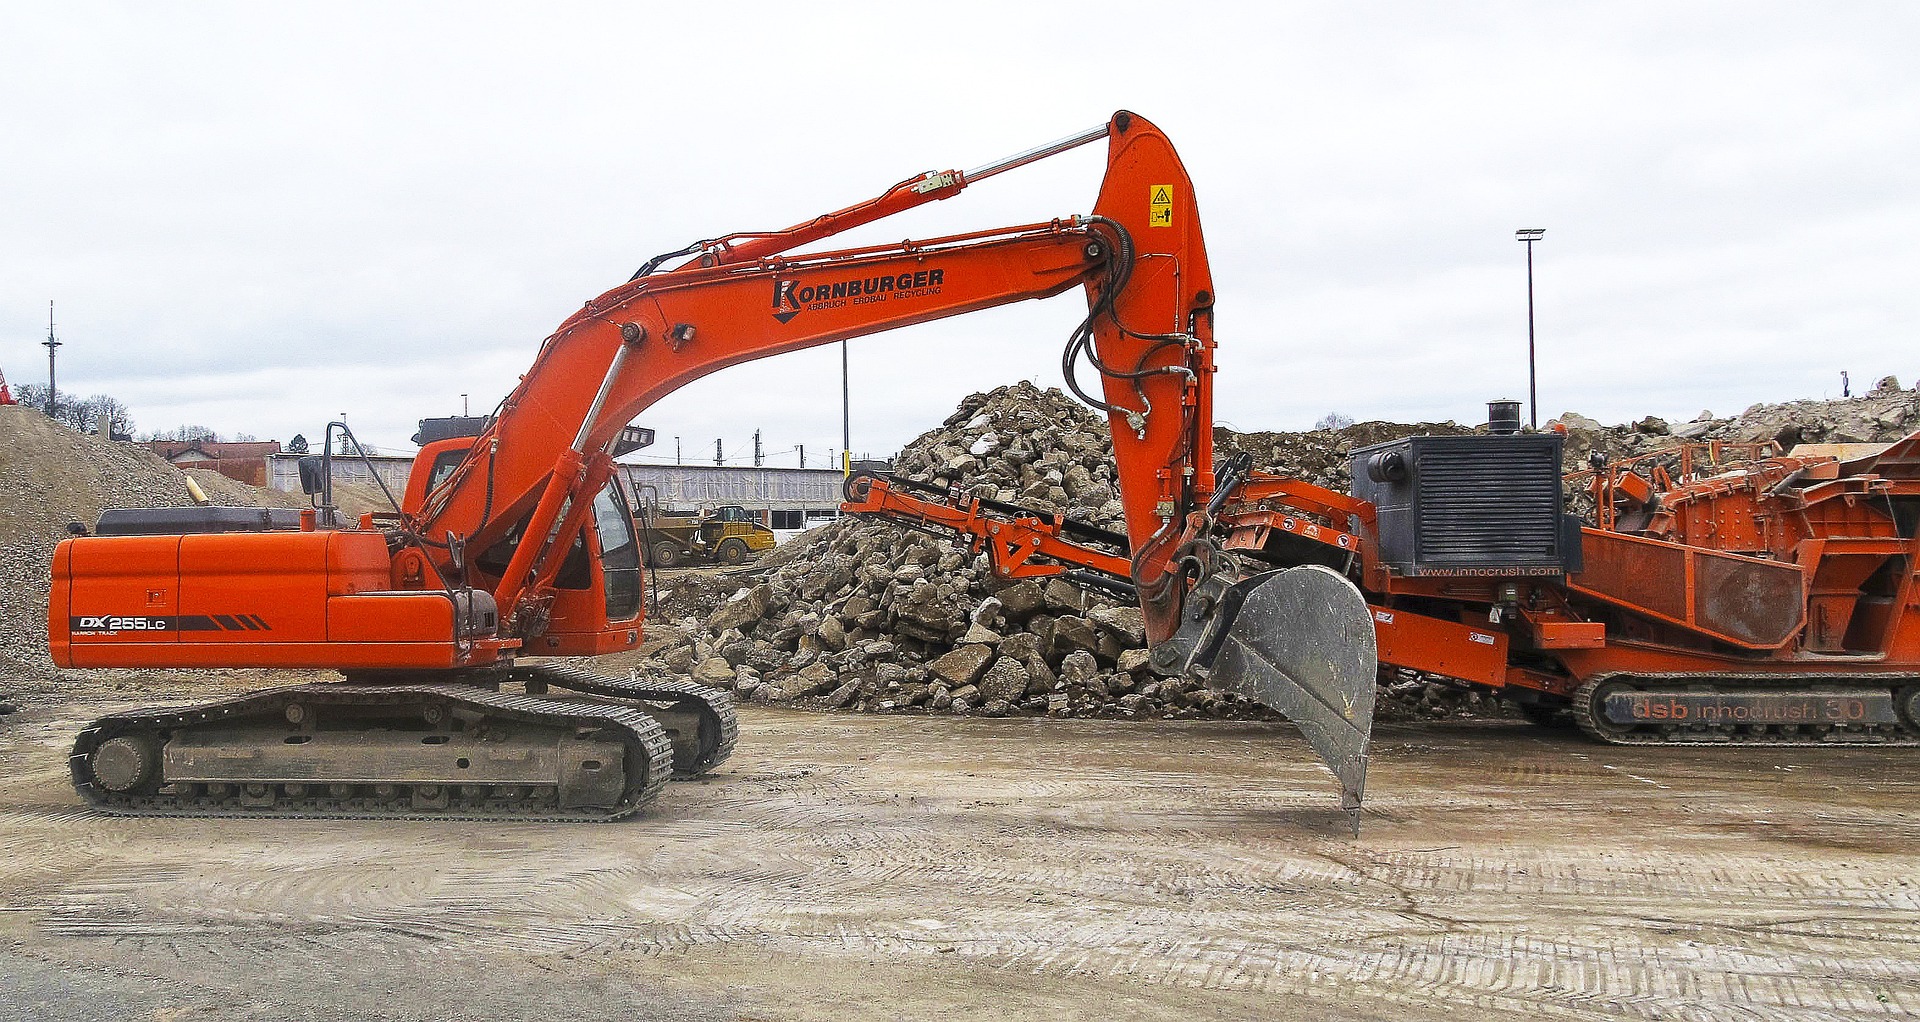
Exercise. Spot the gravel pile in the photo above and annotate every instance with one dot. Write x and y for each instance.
(51, 476)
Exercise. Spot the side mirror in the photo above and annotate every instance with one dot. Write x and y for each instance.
(313, 475)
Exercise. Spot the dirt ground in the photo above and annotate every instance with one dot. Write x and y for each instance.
(852, 867)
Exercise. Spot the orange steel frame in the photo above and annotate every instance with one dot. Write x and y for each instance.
(1010, 543)
(535, 469)
(1828, 524)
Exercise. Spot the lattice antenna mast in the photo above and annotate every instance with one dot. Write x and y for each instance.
(51, 343)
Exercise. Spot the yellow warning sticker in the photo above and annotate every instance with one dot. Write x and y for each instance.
(1160, 206)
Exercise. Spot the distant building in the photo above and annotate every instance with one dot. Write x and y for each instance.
(283, 471)
(786, 500)
(245, 461)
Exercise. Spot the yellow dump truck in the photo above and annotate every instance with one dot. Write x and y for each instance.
(724, 535)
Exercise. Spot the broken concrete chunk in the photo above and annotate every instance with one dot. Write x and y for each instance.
(982, 635)
(1070, 634)
(832, 634)
(1022, 599)
(1079, 667)
(1134, 661)
(1064, 595)
(714, 671)
(1126, 624)
(741, 610)
(964, 664)
(1006, 680)
(816, 679)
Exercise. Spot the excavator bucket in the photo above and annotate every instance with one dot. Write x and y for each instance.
(1301, 642)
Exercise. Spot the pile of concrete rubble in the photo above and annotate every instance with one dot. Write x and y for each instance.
(1321, 457)
(1884, 414)
(1023, 445)
(872, 616)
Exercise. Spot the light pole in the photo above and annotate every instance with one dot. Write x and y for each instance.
(1531, 235)
(846, 416)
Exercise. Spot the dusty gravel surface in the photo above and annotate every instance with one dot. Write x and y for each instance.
(850, 867)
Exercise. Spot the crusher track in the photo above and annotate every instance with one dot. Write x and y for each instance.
(1772, 710)
(442, 751)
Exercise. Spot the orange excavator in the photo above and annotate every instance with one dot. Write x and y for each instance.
(513, 541)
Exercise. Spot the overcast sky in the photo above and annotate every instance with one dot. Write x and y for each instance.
(255, 217)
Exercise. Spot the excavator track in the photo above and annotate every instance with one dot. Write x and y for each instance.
(699, 719)
(430, 751)
(1777, 710)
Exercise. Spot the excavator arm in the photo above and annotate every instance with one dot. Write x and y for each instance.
(642, 341)
(1141, 257)
(1018, 543)
(1297, 640)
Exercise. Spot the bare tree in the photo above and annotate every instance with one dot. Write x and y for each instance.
(184, 432)
(83, 414)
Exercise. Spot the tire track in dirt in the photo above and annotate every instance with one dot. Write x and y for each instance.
(843, 838)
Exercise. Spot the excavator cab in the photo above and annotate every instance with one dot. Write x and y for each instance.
(597, 591)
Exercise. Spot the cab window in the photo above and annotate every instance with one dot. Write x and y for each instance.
(619, 553)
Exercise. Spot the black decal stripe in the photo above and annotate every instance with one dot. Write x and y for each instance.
(197, 623)
(262, 622)
(246, 621)
(228, 623)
